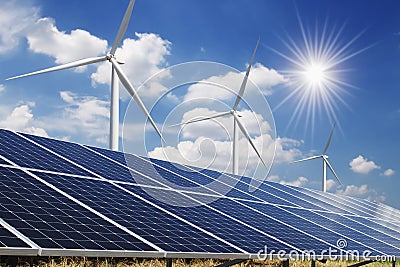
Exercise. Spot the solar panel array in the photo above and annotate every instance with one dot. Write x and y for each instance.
(61, 198)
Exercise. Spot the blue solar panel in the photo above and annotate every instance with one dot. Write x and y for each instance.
(51, 220)
(174, 175)
(27, 154)
(160, 228)
(339, 225)
(7, 239)
(375, 239)
(252, 239)
(378, 225)
(3, 162)
(341, 202)
(122, 202)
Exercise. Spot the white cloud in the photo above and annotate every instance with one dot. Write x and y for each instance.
(299, 182)
(362, 165)
(224, 87)
(15, 19)
(212, 145)
(388, 172)
(353, 190)
(2, 88)
(362, 191)
(87, 115)
(331, 184)
(286, 150)
(45, 38)
(143, 57)
(21, 119)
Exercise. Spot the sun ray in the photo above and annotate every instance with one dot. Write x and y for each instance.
(317, 80)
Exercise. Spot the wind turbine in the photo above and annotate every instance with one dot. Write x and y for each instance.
(325, 161)
(116, 71)
(236, 120)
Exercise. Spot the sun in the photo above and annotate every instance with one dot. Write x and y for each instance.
(315, 74)
(316, 79)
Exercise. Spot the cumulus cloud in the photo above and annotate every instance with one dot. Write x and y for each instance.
(362, 191)
(224, 87)
(299, 182)
(45, 38)
(362, 165)
(388, 172)
(286, 150)
(16, 17)
(85, 114)
(143, 57)
(21, 119)
(331, 184)
(208, 144)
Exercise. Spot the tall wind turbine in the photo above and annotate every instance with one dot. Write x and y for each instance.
(116, 71)
(236, 121)
(325, 161)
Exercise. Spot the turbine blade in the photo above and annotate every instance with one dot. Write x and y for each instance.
(243, 86)
(202, 119)
(123, 27)
(129, 87)
(334, 173)
(310, 158)
(246, 134)
(329, 139)
(73, 64)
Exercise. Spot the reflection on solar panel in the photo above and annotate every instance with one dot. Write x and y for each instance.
(61, 198)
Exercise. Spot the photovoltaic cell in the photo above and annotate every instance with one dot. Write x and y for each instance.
(7, 239)
(51, 220)
(160, 228)
(231, 230)
(85, 158)
(27, 154)
(175, 176)
(348, 206)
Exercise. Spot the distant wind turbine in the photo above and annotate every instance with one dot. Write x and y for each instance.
(236, 120)
(116, 71)
(325, 161)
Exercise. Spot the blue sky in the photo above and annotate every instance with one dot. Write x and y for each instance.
(73, 104)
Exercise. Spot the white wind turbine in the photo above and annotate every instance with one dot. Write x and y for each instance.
(116, 71)
(236, 121)
(325, 161)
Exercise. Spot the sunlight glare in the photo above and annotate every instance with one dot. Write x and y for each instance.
(315, 74)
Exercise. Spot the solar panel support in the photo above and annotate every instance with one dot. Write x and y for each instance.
(313, 263)
(231, 263)
(168, 263)
(285, 263)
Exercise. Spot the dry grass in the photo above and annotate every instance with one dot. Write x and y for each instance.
(129, 262)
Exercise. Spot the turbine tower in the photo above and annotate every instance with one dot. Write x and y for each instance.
(325, 161)
(236, 121)
(115, 72)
